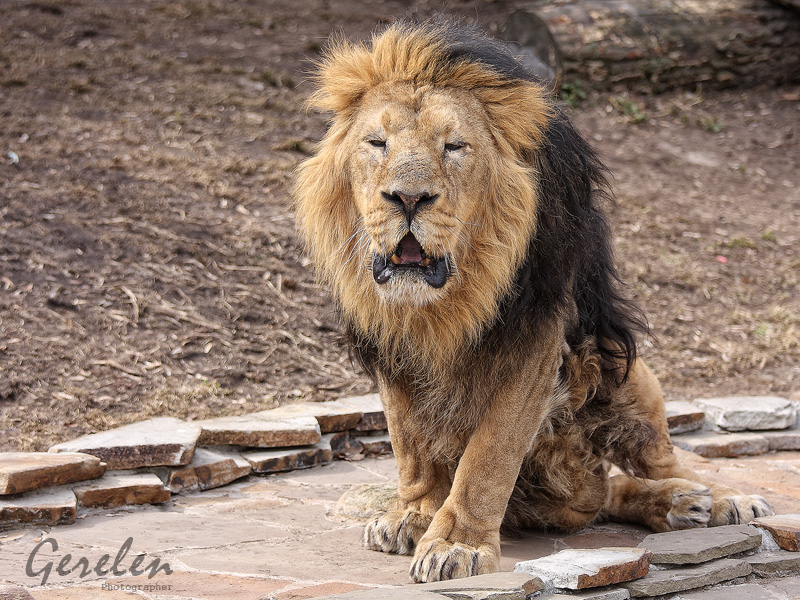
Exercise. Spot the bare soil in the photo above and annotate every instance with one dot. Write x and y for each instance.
(148, 258)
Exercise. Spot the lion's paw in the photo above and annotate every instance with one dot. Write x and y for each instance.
(395, 531)
(440, 559)
(691, 507)
(732, 510)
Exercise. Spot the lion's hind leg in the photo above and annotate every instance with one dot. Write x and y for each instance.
(670, 496)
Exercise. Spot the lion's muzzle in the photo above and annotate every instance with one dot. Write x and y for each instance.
(410, 259)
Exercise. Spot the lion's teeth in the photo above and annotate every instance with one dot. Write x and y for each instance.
(426, 262)
(396, 259)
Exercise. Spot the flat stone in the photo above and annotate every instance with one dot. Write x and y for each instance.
(26, 471)
(777, 561)
(784, 528)
(56, 506)
(749, 413)
(289, 459)
(497, 586)
(596, 594)
(783, 440)
(683, 417)
(122, 489)
(670, 581)
(210, 468)
(692, 546)
(163, 441)
(579, 569)
(258, 431)
(331, 416)
(14, 592)
(747, 591)
(397, 593)
(364, 500)
(376, 445)
(371, 408)
(722, 445)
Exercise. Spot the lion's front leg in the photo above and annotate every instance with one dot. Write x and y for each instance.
(423, 483)
(463, 538)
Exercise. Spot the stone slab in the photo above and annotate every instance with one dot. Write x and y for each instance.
(375, 445)
(122, 489)
(683, 417)
(332, 416)
(596, 594)
(27, 471)
(397, 593)
(777, 561)
(722, 445)
(692, 546)
(344, 446)
(371, 408)
(289, 459)
(749, 413)
(579, 569)
(497, 586)
(14, 592)
(783, 440)
(257, 431)
(210, 468)
(747, 591)
(784, 528)
(163, 441)
(670, 581)
(54, 506)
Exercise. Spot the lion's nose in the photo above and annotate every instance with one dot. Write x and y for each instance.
(410, 203)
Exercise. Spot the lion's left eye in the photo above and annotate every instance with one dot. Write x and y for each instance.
(452, 147)
(377, 143)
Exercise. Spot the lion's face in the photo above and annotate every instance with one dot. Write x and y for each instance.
(418, 174)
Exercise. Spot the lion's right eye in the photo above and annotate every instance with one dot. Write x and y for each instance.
(378, 143)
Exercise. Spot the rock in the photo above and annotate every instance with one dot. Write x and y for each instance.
(14, 592)
(331, 416)
(748, 591)
(372, 416)
(579, 569)
(770, 563)
(783, 440)
(784, 528)
(210, 468)
(692, 546)
(670, 581)
(26, 471)
(56, 506)
(596, 594)
(364, 500)
(748, 413)
(375, 445)
(344, 446)
(722, 445)
(683, 417)
(156, 442)
(122, 489)
(257, 431)
(289, 459)
(409, 592)
(494, 586)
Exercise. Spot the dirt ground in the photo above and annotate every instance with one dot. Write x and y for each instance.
(148, 257)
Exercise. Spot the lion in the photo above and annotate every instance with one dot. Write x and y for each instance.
(456, 215)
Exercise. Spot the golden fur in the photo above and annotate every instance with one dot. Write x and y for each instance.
(453, 212)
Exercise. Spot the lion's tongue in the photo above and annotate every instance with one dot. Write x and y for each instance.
(410, 250)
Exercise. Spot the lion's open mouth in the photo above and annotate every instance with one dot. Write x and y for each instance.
(409, 256)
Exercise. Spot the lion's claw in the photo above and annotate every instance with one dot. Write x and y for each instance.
(395, 531)
(739, 509)
(439, 560)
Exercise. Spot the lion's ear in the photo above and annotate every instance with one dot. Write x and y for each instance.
(520, 111)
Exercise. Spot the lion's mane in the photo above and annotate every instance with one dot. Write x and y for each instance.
(541, 246)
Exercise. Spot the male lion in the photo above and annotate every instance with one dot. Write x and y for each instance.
(454, 212)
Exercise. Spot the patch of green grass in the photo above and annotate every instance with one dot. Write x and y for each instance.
(740, 241)
(769, 236)
(572, 93)
(629, 108)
